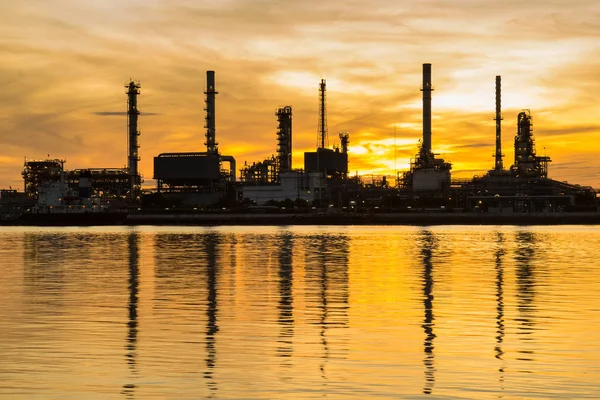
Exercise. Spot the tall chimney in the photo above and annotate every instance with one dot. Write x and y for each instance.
(498, 165)
(426, 89)
(133, 90)
(211, 144)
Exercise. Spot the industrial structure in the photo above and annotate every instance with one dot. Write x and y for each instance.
(527, 163)
(197, 178)
(284, 139)
(121, 185)
(525, 186)
(270, 169)
(133, 90)
(332, 163)
(274, 179)
(324, 174)
(498, 164)
(428, 175)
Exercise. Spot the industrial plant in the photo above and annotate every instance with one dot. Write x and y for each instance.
(208, 181)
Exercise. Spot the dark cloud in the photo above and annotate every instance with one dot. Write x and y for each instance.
(120, 113)
(473, 145)
(568, 130)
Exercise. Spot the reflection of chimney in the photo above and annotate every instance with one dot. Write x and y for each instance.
(426, 89)
(498, 164)
(211, 144)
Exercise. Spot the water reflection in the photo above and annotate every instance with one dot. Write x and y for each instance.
(132, 323)
(428, 243)
(184, 264)
(211, 241)
(525, 291)
(499, 255)
(43, 275)
(328, 269)
(286, 301)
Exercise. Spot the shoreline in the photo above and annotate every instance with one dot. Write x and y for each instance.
(582, 218)
(283, 219)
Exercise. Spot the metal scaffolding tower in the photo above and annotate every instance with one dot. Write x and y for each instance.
(284, 139)
(322, 141)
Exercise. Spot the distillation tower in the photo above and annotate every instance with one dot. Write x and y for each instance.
(527, 163)
(284, 139)
(269, 170)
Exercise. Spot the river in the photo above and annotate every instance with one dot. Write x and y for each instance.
(476, 312)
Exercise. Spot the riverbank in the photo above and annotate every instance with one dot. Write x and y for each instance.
(282, 219)
(429, 218)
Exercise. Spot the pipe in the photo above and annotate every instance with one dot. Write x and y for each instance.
(427, 88)
(232, 165)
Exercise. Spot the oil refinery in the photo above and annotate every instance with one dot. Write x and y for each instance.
(210, 182)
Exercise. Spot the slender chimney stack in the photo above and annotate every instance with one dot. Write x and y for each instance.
(211, 144)
(133, 90)
(427, 88)
(498, 165)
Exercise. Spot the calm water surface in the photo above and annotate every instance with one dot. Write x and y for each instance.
(300, 312)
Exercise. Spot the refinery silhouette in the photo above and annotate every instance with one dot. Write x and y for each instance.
(199, 184)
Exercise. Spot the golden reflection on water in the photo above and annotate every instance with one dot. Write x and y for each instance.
(299, 312)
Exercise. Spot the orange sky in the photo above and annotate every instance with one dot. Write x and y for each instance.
(63, 65)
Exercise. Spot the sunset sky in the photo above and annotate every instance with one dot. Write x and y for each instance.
(64, 64)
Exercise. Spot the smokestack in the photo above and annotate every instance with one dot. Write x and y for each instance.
(498, 165)
(426, 89)
(211, 144)
(133, 90)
